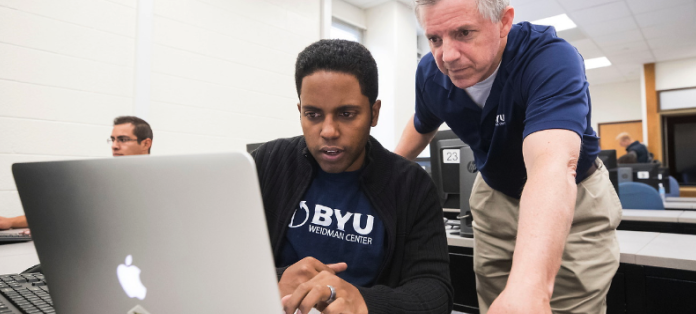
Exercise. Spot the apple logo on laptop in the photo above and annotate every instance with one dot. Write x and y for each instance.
(129, 277)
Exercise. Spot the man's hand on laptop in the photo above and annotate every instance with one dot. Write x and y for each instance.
(318, 293)
(305, 285)
(304, 271)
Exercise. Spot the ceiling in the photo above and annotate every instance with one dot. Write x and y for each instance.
(628, 32)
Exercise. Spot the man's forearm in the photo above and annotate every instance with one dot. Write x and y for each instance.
(19, 222)
(412, 142)
(546, 212)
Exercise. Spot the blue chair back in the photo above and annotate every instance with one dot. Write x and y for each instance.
(673, 187)
(636, 195)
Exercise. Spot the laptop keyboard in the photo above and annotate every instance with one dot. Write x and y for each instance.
(24, 294)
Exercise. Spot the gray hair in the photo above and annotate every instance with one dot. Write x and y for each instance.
(490, 9)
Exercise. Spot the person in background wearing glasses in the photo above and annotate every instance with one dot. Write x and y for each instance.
(131, 136)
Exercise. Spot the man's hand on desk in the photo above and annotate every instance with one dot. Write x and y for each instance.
(14, 222)
(304, 285)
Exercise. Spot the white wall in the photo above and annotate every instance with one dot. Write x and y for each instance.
(391, 38)
(222, 76)
(349, 13)
(615, 102)
(675, 74)
(224, 71)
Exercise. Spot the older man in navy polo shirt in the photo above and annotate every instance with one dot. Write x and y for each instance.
(544, 210)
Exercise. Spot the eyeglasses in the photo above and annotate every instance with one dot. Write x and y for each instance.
(120, 140)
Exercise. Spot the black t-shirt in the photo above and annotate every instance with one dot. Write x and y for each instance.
(335, 222)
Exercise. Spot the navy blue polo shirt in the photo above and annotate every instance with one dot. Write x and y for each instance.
(540, 85)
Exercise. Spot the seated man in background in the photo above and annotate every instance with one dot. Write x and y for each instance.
(629, 158)
(633, 146)
(12, 223)
(130, 136)
(353, 227)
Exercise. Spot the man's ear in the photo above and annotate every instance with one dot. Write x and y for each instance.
(299, 109)
(506, 20)
(146, 143)
(375, 112)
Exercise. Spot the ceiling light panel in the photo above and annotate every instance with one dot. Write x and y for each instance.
(597, 63)
(560, 22)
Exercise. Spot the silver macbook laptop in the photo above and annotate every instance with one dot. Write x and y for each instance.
(146, 234)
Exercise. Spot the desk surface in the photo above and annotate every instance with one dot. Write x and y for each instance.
(679, 216)
(641, 248)
(680, 205)
(17, 257)
(681, 199)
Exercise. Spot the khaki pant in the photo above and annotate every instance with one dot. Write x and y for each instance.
(590, 257)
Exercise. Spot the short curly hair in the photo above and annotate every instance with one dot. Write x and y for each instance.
(338, 55)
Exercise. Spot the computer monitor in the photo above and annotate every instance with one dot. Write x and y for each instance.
(608, 157)
(649, 173)
(444, 166)
(424, 162)
(252, 147)
(467, 175)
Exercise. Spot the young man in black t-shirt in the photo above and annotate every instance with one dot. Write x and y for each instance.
(354, 227)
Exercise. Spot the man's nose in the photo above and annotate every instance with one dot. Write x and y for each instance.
(450, 53)
(329, 129)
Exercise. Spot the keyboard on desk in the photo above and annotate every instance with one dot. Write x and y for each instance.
(14, 237)
(24, 294)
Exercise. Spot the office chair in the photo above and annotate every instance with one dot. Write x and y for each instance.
(673, 187)
(636, 195)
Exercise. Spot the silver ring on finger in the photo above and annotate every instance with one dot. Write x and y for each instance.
(332, 297)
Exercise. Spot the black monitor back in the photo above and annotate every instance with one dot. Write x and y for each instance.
(608, 157)
(424, 162)
(444, 166)
(467, 176)
(252, 147)
(650, 173)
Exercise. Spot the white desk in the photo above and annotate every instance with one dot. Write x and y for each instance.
(680, 205)
(17, 257)
(669, 250)
(681, 199)
(679, 216)
(631, 242)
(652, 215)
(666, 250)
(688, 217)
